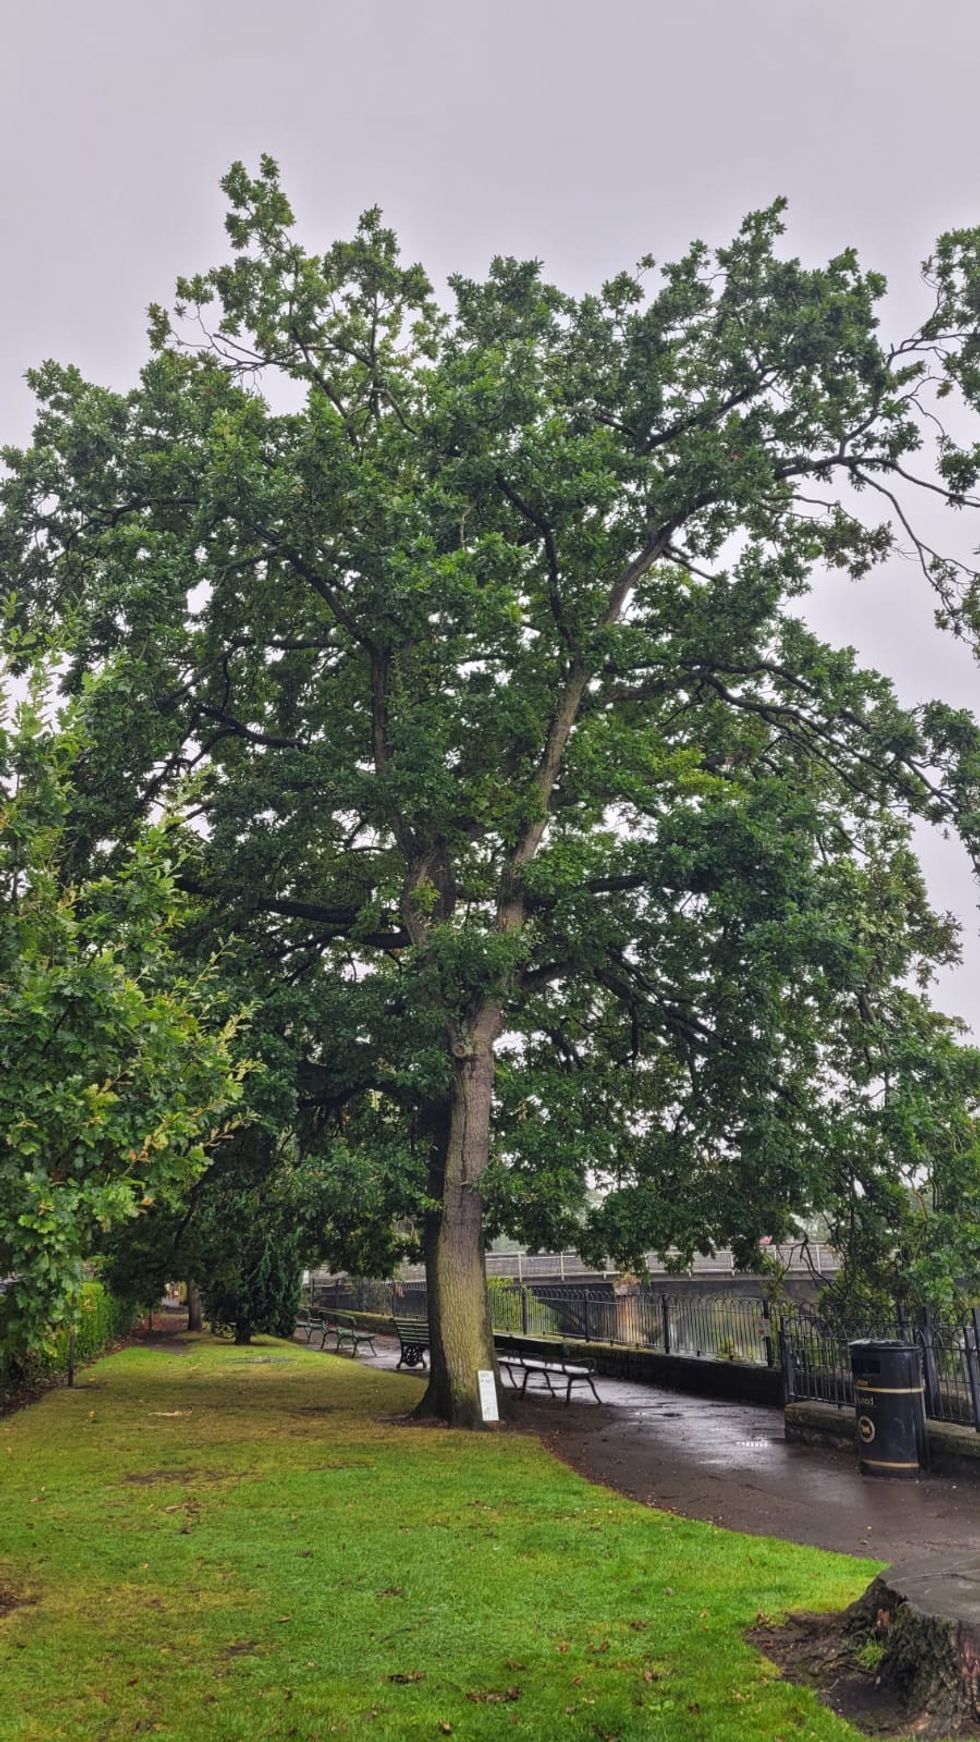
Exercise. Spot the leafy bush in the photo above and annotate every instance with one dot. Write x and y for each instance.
(102, 1319)
(506, 1311)
(118, 1063)
(505, 1304)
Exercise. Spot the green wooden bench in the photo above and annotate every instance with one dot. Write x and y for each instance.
(348, 1333)
(413, 1335)
(558, 1372)
(310, 1323)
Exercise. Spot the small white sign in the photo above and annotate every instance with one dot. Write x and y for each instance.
(488, 1396)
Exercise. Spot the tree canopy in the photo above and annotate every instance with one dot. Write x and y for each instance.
(559, 852)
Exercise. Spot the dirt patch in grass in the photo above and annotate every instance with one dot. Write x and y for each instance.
(818, 1652)
(147, 1478)
(14, 1597)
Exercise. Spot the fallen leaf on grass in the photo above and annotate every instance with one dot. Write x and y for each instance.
(490, 1697)
(170, 1413)
(392, 1591)
(411, 1675)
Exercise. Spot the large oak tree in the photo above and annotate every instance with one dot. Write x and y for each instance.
(560, 851)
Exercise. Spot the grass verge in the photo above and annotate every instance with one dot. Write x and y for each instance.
(245, 1544)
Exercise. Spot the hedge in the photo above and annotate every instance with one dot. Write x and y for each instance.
(102, 1320)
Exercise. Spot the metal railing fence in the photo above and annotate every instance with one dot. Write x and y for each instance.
(721, 1327)
(816, 1360)
(811, 1350)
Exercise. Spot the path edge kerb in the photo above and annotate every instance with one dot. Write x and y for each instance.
(953, 1450)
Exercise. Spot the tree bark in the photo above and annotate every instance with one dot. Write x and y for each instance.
(243, 1332)
(459, 1317)
(926, 1617)
(195, 1318)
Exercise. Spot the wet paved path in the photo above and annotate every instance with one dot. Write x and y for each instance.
(729, 1463)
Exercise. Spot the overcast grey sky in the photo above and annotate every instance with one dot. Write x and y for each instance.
(583, 133)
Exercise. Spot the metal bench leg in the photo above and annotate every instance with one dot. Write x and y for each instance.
(542, 1373)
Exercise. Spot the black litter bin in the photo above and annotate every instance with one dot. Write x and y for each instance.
(890, 1408)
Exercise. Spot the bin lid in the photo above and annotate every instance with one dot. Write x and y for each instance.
(872, 1343)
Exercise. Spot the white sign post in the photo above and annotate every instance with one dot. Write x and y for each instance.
(488, 1396)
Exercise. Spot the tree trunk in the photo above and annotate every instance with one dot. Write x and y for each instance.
(459, 1317)
(243, 1331)
(925, 1617)
(195, 1320)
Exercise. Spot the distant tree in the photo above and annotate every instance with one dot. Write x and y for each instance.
(249, 1235)
(245, 1229)
(117, 1068)
(558, 850)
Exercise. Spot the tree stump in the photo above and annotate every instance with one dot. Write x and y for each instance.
(925, 1614)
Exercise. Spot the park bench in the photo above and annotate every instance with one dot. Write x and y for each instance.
(559, 1371)
(309, 1321)
(348, 1333)
(413, 1335)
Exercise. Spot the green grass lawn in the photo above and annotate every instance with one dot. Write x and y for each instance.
(247, 1543)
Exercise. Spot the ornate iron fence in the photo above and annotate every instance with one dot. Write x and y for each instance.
(715, 1326)
(816, 1361)
(811, 1350)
